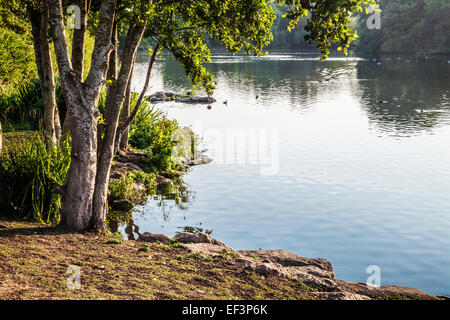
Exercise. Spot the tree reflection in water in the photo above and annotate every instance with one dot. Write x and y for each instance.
(175, 194)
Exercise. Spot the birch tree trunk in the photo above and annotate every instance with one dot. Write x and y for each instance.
(122, 138)
(82, 104)
(78, 51)
(114, 100)
(40, 25)
(123, 130)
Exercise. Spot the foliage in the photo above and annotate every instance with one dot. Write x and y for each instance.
(23, 108)
(153, 132)
(16, 59)
(185, 27)
(29, 171)
(128, 188)
(407, 26)
(196, 230)
(125, 189)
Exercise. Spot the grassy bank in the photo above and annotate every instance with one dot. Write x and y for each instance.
(29, 170)
(34, 260)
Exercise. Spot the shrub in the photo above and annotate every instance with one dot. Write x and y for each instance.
(124, 189)
(16, 59)
(24, 108)
(29, 171)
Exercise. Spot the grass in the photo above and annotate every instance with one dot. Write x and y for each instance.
(34, 260)
(29, 170)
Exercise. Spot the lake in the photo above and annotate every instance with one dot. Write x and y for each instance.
(317, 165)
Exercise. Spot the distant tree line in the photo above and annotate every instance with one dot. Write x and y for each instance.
(419, 27)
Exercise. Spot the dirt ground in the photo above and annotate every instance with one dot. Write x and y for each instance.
(34, 261)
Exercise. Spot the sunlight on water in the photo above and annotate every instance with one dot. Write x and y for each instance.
(363, 163)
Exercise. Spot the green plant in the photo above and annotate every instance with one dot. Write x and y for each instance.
(29, 171)
(153, 132)
(197, 255)
(196, 230)
(114, 241)
(23, 108)
(229, 254)
(147, 179)
(124, 189)
(16, 58)
(144, 248)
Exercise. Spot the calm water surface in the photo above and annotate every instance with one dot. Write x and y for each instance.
(359, 182)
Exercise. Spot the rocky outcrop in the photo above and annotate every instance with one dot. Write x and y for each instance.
(152, 237)
(384, 292)
(199, 237)
(126, 166)
(199, 160)
(339, 296)
(169, 96)
(202, 243)
(316, 273)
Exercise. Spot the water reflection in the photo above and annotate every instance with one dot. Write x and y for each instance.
(169, 196)
(360, 182)
(416, 96)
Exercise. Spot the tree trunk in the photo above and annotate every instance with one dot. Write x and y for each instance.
(78, 50)
(114, 100)
(122, 138)
(1, 139)
(123, 130)
(40, 26)
(58, 129)
(114, 58)
(82, 105)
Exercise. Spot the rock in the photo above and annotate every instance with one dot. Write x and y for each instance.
(198, 237)
(207, 249)
(121, 205)
(316, 272)
(201, 160)
(271, 269)
(162, 180)
(169, 96)
(339, 296)
(126, 166)
(152, 237)
(384, 292)
(288, 259)
(197, 161)
(314, 277)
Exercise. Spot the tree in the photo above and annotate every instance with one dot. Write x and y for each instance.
(78, 50)
(408, 26)
(16, 17)
(39, 15)
(178, 26)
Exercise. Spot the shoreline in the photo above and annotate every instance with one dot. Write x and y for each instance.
(35, 259)
(316, 272)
